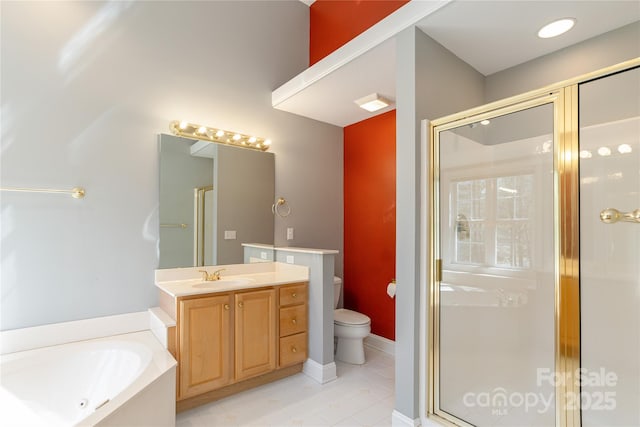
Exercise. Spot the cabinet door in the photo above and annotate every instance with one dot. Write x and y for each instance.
(255, 333)
(204, 362)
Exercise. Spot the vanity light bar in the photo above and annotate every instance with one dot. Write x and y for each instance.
(192, 130)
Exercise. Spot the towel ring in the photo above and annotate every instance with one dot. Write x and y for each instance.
(278, 208)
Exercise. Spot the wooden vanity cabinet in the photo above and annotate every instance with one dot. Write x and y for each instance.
(231, 341)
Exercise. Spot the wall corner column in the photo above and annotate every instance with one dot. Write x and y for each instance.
(408, 155)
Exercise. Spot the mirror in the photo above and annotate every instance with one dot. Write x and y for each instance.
(213, 198)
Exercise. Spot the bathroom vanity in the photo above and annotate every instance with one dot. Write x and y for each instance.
(246, 329)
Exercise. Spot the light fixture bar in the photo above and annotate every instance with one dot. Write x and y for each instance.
(221, 136)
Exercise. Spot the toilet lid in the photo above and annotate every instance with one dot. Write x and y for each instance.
(342, 316)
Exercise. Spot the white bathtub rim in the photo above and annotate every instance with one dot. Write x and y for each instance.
(161, 362)
(36, 337)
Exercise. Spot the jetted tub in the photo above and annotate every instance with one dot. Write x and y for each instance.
(121, 380)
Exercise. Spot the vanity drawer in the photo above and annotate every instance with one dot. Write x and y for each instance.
(296, 294)
(293, 320)
(293, 349)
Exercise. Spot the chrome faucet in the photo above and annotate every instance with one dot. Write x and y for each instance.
(211, 277)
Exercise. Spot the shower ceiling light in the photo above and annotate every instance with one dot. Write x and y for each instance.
(556, 28)
(373, 102)
(192, 130)
(624, 149)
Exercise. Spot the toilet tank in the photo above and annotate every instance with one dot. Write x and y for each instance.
(337, 286)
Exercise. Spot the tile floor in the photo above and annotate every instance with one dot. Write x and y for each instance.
(361, 396)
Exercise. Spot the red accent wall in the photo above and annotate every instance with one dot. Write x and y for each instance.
(333, 23)
(370, 219)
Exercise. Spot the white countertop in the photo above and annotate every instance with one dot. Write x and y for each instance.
(181, 282)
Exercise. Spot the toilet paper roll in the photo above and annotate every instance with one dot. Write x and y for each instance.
(391, 289)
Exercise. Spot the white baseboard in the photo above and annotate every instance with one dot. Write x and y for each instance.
(381, 343)
(77, 330)
(320, 373)
(401, 420)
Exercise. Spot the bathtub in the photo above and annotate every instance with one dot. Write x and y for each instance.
(121, 380)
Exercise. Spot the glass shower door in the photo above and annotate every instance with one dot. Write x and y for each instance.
(496, 294)
(610, 250)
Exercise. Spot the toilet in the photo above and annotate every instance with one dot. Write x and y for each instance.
(350, 328)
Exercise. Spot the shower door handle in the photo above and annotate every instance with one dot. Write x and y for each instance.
(611, 216)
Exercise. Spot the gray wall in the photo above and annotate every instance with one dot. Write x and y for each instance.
(431, 82)
(86, 88)
(599, 52)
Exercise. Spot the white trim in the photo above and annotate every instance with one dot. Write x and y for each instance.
(383, 344)
(77, 330)
(402, 18)
(320, 373)
(308, 2)
(159, 323)
(401, 420)
(423, 328)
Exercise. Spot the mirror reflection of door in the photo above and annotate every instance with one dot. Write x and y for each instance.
(204, 220)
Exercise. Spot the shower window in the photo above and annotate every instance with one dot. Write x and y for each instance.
(493, 221)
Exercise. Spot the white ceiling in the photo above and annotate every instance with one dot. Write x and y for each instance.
(494, 35)
(489, 35)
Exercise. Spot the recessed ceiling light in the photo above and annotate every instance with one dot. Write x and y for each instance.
(373, 102)
(556, 28)
(485, 122)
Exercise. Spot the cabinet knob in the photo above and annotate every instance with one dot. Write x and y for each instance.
(240, 304)
(294, 321)
(226, 306)
(293, 349)
(294, 295)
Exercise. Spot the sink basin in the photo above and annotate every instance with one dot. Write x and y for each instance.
(222, 282)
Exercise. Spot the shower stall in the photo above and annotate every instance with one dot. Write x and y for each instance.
(534, 267)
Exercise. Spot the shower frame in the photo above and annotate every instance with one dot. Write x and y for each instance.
(564, 97)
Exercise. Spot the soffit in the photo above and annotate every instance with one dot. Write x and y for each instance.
(489, 35)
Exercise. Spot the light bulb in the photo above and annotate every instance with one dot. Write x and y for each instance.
(183, 125)
(220, 133)
(236, 137)
(585, 154)
(202, 130)
(604, 151)
(252, 139)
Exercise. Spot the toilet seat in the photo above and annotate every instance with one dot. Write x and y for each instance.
(345, 317)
